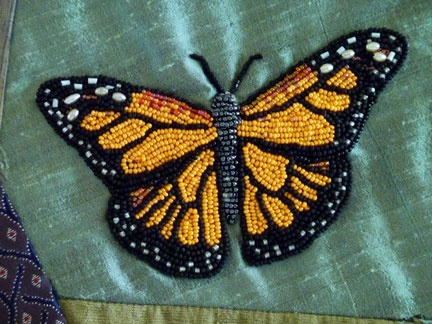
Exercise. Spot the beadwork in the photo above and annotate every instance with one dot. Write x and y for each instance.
(178, 173)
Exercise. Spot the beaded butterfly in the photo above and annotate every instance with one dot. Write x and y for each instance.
(179, 173)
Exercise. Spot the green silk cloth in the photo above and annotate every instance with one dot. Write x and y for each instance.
(375, 261)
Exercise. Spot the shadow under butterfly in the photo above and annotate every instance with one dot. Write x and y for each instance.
(278, 162)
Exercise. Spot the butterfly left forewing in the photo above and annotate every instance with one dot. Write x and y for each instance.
(125, 133)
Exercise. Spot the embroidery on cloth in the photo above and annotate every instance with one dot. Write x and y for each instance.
(178, 173)
(26, 294)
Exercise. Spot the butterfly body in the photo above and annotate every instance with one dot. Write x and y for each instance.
(226, 114)
(178, 173)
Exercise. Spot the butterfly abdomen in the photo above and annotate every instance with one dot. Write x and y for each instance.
(226, 114)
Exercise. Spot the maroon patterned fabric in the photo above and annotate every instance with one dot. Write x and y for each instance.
(26, 294)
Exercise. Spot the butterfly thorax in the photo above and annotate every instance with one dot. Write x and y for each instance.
(226, 114)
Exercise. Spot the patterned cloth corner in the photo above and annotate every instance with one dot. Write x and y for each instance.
(26, 294)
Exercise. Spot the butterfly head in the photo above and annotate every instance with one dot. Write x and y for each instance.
(225, 98)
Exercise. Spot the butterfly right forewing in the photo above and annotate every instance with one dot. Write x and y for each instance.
(333, 89)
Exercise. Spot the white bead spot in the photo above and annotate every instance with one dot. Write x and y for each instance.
(73, 114)
(118, 96)
(101, 91)
(372, 46)
(379, 57)
(326, 68)
(92, 80)
(347, 54)
(72, 98)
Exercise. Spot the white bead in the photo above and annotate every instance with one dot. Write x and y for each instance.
(340, 50)
(379, 57)
(351, 40)
(326, 68)
(101, 91)
(376, 35)
(72, 98)
(92, 80)
(372, 46)
(73, 114)
(391, 56)
(325, 55)
(349, 53)
(118, 96)
(65, 82)
(78, 86)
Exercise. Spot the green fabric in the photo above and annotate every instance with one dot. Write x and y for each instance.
(373, 262)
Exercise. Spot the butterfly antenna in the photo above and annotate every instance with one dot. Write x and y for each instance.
(244, 70)
(207, 72)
